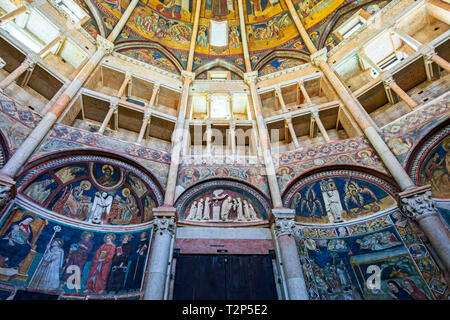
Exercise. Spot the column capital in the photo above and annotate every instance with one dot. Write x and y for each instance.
(250, 77)
(427, 51)
(388, 81)
(104, 44)
(187, 76)
(315, 112)
(164, 220)
(128, 75)
(417, 203)
(319, 56)
(114, 103)
(7, 190)
(32, 59)
(156, 86)
(147, 114)
(284, 221)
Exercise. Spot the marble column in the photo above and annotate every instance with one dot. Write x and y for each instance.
(147, 114)
(29, 62)
(112, 110)
(194, 36)
(304, 93)
(177, 140)
(418, 205)
(250, 79)
(284, 226)
(323, 131)
(13, 14)
(160, 255)
(122, 21)
(292, 132)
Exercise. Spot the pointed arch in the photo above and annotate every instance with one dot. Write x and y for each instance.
(219, 63)
(136, 45)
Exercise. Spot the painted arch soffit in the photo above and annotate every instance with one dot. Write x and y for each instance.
(337, 196)
(92, 189)
(222, 202)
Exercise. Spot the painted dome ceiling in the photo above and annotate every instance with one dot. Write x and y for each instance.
(159, 31)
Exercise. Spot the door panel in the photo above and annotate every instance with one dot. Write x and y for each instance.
(222, 277)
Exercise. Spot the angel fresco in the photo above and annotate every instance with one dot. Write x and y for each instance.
(311, 204)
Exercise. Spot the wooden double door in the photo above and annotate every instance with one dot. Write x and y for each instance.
(224, 277)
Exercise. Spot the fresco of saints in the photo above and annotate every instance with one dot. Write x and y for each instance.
(119, 264)
(139, 256)
(202, 38)
(98, 274)
(234, 37)
(46, 277)
(78, 254)
(38, 190)
(172, 8)
(219, 8)
(16, 243)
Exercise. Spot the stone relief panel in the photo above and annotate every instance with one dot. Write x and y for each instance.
(338, 196)
(339, 263)
(46, 255)
(94, 190)
(222, 203)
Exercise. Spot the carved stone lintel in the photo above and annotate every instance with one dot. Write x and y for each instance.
(417, 203)
(284, 220)
(250, 77)
(105, 44)
(319, 56)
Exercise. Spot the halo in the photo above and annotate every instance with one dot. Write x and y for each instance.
(127, 191)
(85, 183)
(104, 167)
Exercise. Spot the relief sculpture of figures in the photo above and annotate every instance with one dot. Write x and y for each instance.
(224, 208)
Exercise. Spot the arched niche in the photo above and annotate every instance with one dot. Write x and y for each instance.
(339, 194)
(228, 203)
(99, 189)
(429, 163)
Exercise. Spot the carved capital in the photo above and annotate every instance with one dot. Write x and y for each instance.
(387, 82)
(164, 221)
(31, 60)
(104, 44)
(417, 203)
(187, 76)
(315, 112)
(113, 103)
(284, 221)
(319, 56)
(250, 77)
